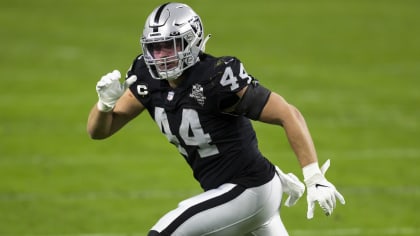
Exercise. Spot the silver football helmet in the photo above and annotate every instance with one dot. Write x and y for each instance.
(176, 28)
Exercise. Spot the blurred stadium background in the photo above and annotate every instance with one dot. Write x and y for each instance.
(352, 67)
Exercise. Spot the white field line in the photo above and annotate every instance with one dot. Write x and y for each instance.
(385, 153)
(358, 231)
(314, 232)
(92, 196)
(162, 194)
(364, 154)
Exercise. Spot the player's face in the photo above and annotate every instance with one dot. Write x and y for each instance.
(165, 52)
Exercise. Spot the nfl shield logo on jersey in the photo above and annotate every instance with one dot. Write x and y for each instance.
(197, 94)
(170, 95)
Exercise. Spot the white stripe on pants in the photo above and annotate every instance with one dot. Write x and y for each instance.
(238, 212)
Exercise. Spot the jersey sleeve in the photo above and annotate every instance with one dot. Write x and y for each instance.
(133, 67)
(140, 88)
(231, 78)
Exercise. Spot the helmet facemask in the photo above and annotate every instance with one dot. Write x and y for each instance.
(179, 32)
(169, 65)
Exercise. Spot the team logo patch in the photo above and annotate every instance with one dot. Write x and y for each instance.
(197, 94)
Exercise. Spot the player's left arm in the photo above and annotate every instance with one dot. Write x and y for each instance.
(258, 103)
(276, 110)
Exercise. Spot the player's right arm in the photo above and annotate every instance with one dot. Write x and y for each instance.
(115, 108)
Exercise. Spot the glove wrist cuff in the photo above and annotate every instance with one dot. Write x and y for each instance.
(102, 107)
(311, 173)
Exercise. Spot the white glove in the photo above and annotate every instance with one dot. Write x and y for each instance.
(110, 89)
(320, 190)
(291, 186)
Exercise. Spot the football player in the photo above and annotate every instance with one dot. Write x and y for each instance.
(203, 105)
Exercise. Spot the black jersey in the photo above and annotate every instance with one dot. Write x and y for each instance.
(219, 147)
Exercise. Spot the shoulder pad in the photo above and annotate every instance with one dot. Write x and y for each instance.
(231, 74)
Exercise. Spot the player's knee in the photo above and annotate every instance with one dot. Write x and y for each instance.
(154, 233)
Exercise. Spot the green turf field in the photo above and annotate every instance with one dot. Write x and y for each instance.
(352, 67)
